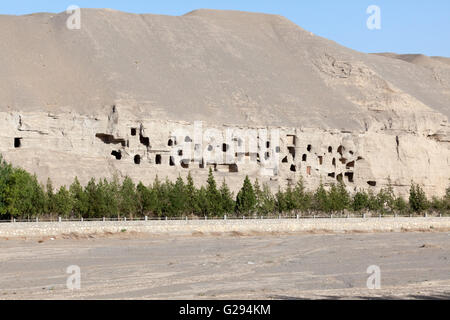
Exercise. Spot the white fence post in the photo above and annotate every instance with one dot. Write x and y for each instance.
(59, 219)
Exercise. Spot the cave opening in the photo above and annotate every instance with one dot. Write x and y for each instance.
(309, 148)
(144, 140)
(171, 162)
(137, 159)
(293, 168)
(304, 158)
(158, 159)
(350, 176)
(233, 168)
(184, 165)
(292, 151)
(17, 142)
(133, 131)
(117, 154)
(109, 139)
(330, 149)
(372, 183)
(285, 160)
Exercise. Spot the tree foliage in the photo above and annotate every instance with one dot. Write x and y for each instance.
(21, 196)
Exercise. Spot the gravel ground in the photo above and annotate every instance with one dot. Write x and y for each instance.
(228, 266)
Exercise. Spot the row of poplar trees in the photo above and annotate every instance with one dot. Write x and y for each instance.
(21, 196)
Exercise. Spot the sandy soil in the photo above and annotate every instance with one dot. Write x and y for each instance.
(230, 266)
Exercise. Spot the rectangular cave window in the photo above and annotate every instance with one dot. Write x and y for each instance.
(320, 160)
(133, 131)
(158, 159)
(309, 148)
(304, 158)
(268, 144)
(292, 151)
(185, 165)
(350, 176)
(17, 142)
(372, 183)
(137, 159)
(171, 162)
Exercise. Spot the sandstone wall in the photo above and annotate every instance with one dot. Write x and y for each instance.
(115, 143)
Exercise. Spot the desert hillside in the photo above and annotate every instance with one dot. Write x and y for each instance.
(94, 102)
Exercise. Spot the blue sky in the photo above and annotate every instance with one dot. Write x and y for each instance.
(406, 26)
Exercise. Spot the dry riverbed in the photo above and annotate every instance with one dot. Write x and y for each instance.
(227, 265)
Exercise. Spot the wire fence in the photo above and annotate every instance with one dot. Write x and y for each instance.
(226, 217)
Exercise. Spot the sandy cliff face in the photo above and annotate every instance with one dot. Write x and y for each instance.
(109, 98)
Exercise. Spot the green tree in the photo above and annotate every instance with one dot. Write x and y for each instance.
(246, 199)
(144, 196)
(213, 196)
(227, 202)
(360, 201)
(50, 198)
(128, 199)
(178, 198)
(266, 201)
(320, 199)
(63, 202)
(302, 199)
(338, 198)
(191, 194)
(417, 198)
(79, 198)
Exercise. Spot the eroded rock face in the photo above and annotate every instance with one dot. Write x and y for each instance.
(129, 99)
(68, 145)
